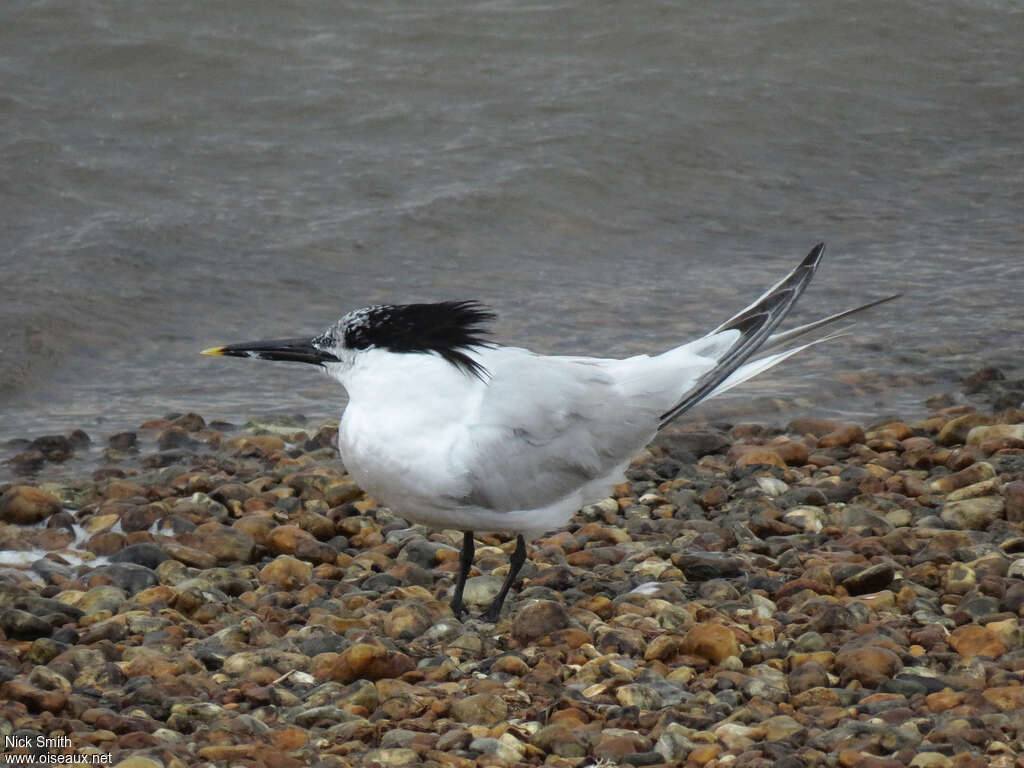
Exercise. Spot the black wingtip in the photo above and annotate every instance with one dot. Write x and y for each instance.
(876, 302)
(755, 324)
(814, 256)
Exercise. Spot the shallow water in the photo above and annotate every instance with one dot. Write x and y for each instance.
(611, 180)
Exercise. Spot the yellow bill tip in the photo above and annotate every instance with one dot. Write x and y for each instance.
(213, 351)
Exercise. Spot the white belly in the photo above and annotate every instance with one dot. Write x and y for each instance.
(405, 469)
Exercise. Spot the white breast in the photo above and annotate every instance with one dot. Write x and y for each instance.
(405, 413)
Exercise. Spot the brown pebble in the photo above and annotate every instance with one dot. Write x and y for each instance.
(612, 745)
(537, 619)
(122, 489)
(846, 434)
(408, 620)
(871, 665)
(510, 665)
(944, 699)
(897, 430)
(819, 696)
(258, 526)
(806, 676)
(282, 539)
(286, 572)
(229, 752)
(560, 740)
(971, 640)
(704, 754)
(369, 662)
(570, 717)
(35, 699)
(189, 555)
(976, 472)
(155, 595)
(105, 544)
(26, 505)
(759, 455)
(139, 517)
(710, 641)
(1013, 494)
(955, 431)
(794, 452)
(288, 739)
(480, 708)
(227, 544)
(664, 647)
(260, 444)
(713, 497)
(997, 435)
(1008, 698)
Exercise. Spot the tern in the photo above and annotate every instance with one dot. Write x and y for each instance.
(454, 431)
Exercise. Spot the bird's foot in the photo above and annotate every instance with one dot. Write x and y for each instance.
(492, 614)
(459, 609)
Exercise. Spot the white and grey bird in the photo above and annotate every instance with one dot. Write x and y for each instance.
(453, 431)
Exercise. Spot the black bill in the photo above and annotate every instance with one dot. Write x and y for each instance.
(292, 350)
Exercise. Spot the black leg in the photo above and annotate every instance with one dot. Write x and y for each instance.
(515, 564)
(465, 563)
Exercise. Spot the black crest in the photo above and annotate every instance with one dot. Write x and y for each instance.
(449, 328)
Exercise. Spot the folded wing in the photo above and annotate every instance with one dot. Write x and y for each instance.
(546, 428)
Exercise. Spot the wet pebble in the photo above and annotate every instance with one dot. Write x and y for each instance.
(25, 505)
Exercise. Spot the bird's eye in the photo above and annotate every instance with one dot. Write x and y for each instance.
(356, 340)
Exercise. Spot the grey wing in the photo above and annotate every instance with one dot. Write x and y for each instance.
(546, 427)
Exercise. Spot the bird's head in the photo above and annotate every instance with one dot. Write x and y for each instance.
(450, 329)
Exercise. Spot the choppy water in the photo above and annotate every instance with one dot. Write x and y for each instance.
(612, 178)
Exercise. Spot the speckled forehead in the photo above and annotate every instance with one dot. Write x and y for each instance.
(352, 324)
(360, 318)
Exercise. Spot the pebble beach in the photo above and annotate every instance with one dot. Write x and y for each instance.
(818, 593)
